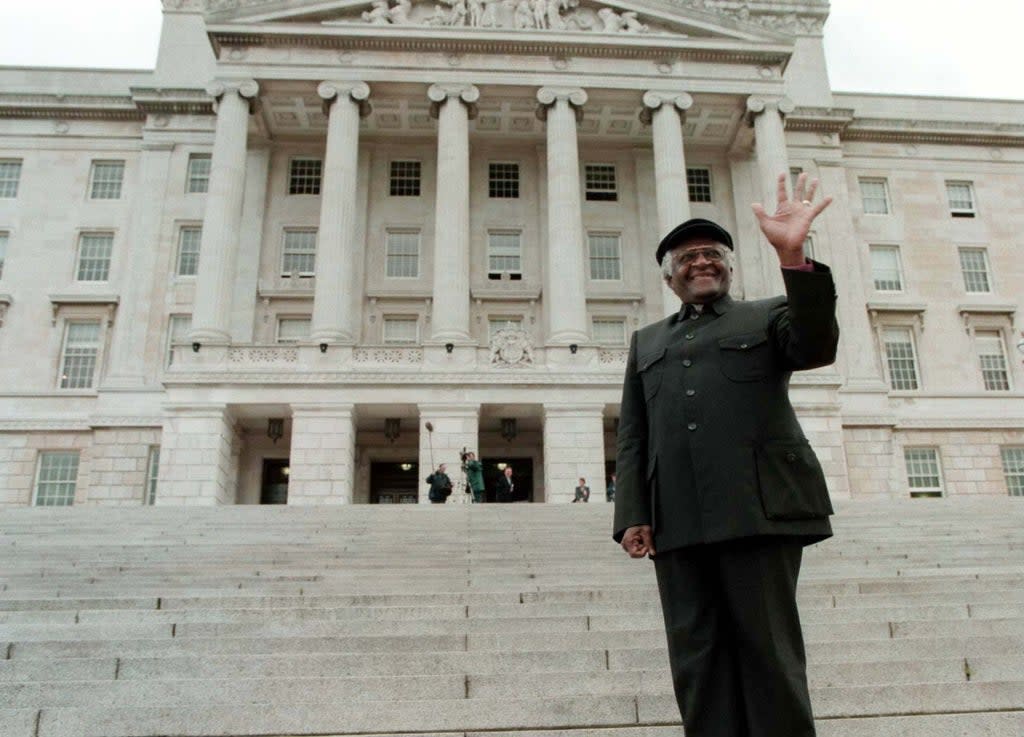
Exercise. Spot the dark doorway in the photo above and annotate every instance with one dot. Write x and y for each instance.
(395, 483)
(274, 488)
(522, 477)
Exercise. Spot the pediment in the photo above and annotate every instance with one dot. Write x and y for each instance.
(699, 19)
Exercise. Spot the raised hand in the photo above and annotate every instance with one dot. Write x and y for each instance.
(787, 229)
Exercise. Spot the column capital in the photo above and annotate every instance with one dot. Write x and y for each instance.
(757, 104)
(332, 90)
(548, 96)
(247, 89)
(654, 99)
(440, 93)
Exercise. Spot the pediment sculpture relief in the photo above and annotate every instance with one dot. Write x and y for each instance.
(559, 15)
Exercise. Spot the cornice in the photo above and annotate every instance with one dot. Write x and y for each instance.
(153, 100)
(62, 107)
(819, 119)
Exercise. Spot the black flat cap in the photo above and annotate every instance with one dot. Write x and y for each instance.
(690, 229)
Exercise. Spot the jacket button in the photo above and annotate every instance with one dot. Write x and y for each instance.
(743, 345)
(692, 426)
(790, 457)
(687, 362)
(690, 392)
(689, 336)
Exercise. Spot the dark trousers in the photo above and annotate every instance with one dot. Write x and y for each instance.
(734, 640)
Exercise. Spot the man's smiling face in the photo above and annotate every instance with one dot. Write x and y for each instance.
(700, 271)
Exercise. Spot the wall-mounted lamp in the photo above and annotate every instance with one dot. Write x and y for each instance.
(195, 347)
(449, 347)
(502, 466)
(323, 348)
(406, 466)
(509, 429)
(392, 428)
(275, 428)
(573, 348)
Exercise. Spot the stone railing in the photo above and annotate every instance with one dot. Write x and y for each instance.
(388, 355)
(263, 355)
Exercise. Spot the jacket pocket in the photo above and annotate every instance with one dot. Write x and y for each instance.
(650, 368)
(746, 357)
(791, 481)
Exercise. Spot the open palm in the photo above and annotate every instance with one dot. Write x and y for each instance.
(787, 229)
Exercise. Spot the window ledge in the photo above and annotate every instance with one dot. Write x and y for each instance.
(98, 299)
(987, 308)
(896, 306)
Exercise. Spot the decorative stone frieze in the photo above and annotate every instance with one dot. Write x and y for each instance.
(393, 356)
(511, 348)
(262, 355)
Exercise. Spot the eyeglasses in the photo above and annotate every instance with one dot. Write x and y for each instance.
(708, 254)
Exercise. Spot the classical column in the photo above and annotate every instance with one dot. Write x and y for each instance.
(322, 458)
(344, 103)
(454, 427)
(766, 115)
(564, 281)
(198, 458)
(453, 106)
(223, 215)
(666, 112)
(573, 448)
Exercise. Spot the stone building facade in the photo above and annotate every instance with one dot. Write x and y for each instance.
(325, 246)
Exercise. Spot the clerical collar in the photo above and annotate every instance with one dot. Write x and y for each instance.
(692, 311)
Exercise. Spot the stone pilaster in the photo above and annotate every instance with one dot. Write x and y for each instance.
(453, 105)
(322, 459)
(564, 277)
(455, 426)
(336, 246)
(198, 457)
(665, 111)
(223, 216)
(573, 447)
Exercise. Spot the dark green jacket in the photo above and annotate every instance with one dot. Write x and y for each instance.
(475, 475)
(709, 447)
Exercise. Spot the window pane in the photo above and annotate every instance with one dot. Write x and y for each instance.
(974, 265)
(885, 268)
(58, 474)
(401, 330)
(605, 262)
(304, 176)
(106, 180)
(4, 237)
(403, 254)
(10, 175)
(177, 332)
(960, 195)
(299, 255)
(94, 256)
(188, 251)
(198, 174)
(405, 179)
(874, 196)
(600, 182)
(923, 468)
(609, 332)
(993, 361)
(1013, 467)
(81, 346)
(503, 253)
(698, 181)
(503, 180)
(292, 329)
(152, 472)
(899, 354)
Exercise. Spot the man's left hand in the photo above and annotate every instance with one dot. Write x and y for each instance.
(787, 229)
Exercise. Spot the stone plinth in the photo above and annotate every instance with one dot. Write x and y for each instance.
(322, 459)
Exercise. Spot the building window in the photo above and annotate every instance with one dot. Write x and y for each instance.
(94, 250)
(961, 199)
(298, 257)
(105, 181)
(178, 328)
(605, 258)
(152, 472)
(993, 360)
(504, 254)
(974, 265)
(886, 269)
(304, 176)
(198, 179)
(291, 330)
(600, 182)
(503, 181)
(900, 358)
(401, 330)
(403, 254)
(698, 182)
(4, 237)
(78, 359)
(609, 331)
(405, 179)
(56, 479)
(494, 324)
(874, 196)
(10, 176)
(924, 477)
(1013, 468)
(189, 239)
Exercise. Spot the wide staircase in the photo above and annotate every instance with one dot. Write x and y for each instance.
(514, 620)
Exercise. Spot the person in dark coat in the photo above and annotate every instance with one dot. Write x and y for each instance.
(506, 487)
(440, 485)
(475, 477)
(716, 481)
(582, 492)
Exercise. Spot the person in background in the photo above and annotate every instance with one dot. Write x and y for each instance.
(582, 492)
(440, 485)
(506, 487)
(475, 477)
(610, 489)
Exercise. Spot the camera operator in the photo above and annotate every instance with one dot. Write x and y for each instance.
(474, 470)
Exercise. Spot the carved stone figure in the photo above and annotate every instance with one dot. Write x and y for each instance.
(523, 14)
(400, 13)
(489, 18)
(457, 16)
(540, 13)
(476, 11)
(378, 14)
(511, 348)
(625, 22)
(632, 25)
